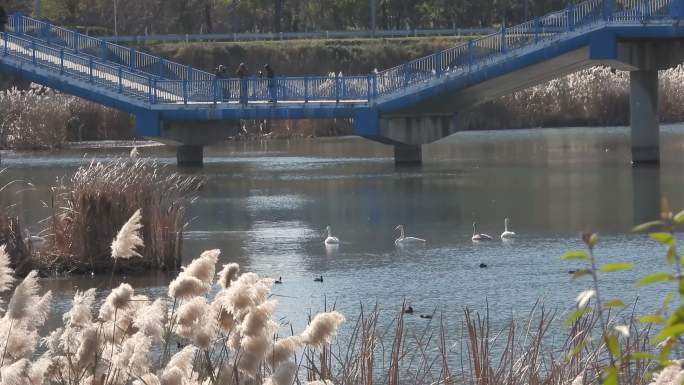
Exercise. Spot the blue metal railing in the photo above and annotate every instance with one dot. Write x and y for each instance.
(270, 36)
(102, 50)
(156, 80)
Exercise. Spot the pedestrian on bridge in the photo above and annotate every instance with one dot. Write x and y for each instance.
(221, 74)
(270, 76)
(242, 72)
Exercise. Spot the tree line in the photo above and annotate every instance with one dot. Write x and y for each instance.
(140, 17)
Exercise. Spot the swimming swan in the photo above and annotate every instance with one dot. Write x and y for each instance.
(507, 234)
(479, 237)
(331, 240)
(403, 240)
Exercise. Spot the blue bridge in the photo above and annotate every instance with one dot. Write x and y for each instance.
(406, 106)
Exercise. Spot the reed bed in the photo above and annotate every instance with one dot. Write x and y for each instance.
(11, 234)
(99, 198)
(40, 118)
(598, 96)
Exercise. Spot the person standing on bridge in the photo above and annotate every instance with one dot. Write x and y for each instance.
(242, 72)
(270, 76)
(221, 74)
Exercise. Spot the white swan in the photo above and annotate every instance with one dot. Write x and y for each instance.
(507, 234)
(331, 240)
(403, 240)
(479, 237)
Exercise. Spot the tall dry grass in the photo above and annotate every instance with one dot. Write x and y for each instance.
(11, 234)
(190, 337)
(88, 210)
(597, 96)
(40, 117)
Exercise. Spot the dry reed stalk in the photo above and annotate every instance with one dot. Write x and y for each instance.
(393, 375)
(11, 237)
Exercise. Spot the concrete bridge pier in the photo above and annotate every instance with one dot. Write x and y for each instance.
(406, 133)
(408, 155)
(190, 155)
(644, 117)
(189, 137)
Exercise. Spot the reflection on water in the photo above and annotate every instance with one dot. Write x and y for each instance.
(266, 204)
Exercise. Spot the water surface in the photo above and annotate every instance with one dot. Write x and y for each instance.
(266, 204)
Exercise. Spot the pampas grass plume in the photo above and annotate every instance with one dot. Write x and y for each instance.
(80, 313)
(128, 238)
(204, 267)
(284, 349)
(150, 319)
(180, 365)
(16, 373)
(147, 379)
(118, 299)
(6, 272)
(185, 287)
(85, 355)
(256, 320)
(24, 297)
(228, 274)
(322, 328)
(284, 374)
(41, 310)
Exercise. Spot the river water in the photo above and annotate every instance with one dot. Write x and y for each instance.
(266, 204)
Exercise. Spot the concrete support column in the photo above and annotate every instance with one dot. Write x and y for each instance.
(190, 156)
(644, 118)
(408, 155)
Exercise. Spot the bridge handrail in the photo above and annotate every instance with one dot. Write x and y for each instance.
(267, 36)
(78, 42)
(115, 77)
(477, 52)
(118, 78)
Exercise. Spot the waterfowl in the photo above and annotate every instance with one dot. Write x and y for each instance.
(479, 237)
(408, 310)
(507, 234)
(426, 316)
(318, 279)
(279, 280)
(403, 240)
(330, 240)
(483, 265)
